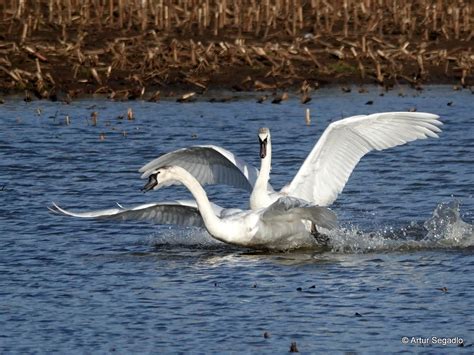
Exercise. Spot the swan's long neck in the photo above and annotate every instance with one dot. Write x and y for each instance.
(265, 167)
(259, 197)
(211, 221)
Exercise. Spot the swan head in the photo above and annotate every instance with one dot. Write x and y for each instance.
(163, 176)
(264, 138)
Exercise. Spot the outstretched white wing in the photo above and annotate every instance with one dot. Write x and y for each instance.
(327, 168)
(184, 213)
(209, 165)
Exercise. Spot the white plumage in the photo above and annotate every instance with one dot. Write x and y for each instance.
(327, 168)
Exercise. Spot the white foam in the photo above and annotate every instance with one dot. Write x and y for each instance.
(444, 229)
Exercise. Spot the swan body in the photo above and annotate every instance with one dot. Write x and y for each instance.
(325, 171)
(278, 226)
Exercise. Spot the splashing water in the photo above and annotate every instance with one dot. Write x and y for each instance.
(447, 228)
(444, 229)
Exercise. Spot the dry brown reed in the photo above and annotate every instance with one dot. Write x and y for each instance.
(155, 42)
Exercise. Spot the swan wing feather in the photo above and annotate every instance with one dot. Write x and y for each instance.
(184, 213)
(327, 168)
(209, 164)
(290, 208)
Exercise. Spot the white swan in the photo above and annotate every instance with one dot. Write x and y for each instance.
(325, 171)
(328, 166)
(278, 227)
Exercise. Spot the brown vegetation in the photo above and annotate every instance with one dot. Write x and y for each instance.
(131, 48)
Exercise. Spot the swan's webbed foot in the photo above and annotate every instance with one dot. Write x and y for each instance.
(321, 239)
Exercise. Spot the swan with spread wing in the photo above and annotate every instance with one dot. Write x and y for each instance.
(280, 226)
(323, 174)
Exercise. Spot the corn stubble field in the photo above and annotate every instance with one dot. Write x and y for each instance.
(128, 49)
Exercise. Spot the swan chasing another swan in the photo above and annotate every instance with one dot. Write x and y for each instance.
(281, 226)
(326, 169)
(277, 220)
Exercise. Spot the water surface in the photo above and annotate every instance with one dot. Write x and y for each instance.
(90, 286)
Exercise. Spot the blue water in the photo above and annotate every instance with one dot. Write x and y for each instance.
(96, 286)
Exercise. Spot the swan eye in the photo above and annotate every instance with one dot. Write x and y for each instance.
(262, 141)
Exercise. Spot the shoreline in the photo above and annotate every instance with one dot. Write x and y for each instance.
(217, 95)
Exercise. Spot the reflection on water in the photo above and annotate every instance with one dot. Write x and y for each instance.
(400, 264)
